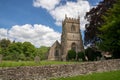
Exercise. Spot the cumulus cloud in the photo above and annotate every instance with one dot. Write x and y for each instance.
(39, 35)
(3, 33)
(71, 9)
(47, 4)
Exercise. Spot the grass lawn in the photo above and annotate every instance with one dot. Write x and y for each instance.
(112, 75)
(31, 63)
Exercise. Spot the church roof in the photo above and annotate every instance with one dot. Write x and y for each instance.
(56, 43)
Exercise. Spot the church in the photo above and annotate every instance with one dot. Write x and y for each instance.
(71, 39)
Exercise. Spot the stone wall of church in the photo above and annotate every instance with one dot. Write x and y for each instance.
(71, 34)
(51, 53)
(73, 37)
(69, 45)
(46, 72)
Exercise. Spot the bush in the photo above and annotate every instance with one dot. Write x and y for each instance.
(71, 55)
(92, 54)
(22, 57)
(89, 52)
(81, 56)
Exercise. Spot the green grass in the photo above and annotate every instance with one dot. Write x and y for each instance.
(112, 75)
(31, 63)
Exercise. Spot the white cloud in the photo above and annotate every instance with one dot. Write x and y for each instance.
(47, 4)
(37, 34)
(72, 9)
(3, 33)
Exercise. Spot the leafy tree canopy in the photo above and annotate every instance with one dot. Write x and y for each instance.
(94, 17)
(42, 52)
(111, 31)
(21, 51)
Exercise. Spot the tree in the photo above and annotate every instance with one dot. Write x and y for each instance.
(94, 17)
(0, 50)
(14, 50)
(71, 55)
(41, 52)
(21, 51)
(4, 44)
(15, 47)
(111, 31)
(28, 50)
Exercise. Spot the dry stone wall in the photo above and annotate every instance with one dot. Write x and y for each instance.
(46, 72)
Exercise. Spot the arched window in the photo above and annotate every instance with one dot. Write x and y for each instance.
(56, 53)
(73, 46)
(72, 28)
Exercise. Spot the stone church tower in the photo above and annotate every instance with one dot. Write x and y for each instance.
(70, 39)
(71, 36)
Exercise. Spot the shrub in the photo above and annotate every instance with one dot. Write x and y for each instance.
(71, 55)
(89, 52)
(92, 54)
(81, 56)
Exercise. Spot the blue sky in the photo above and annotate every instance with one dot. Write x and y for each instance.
(37, 20)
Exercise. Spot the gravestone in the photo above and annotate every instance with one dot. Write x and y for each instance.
(37, 59)
(0, 58)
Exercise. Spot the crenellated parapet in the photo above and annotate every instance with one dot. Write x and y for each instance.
(71, 20)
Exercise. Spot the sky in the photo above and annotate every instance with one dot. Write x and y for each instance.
(39, 21)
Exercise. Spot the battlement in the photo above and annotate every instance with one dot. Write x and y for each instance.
(71, 20)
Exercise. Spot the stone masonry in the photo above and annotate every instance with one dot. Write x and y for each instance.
(47, 72)
(71, 39)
